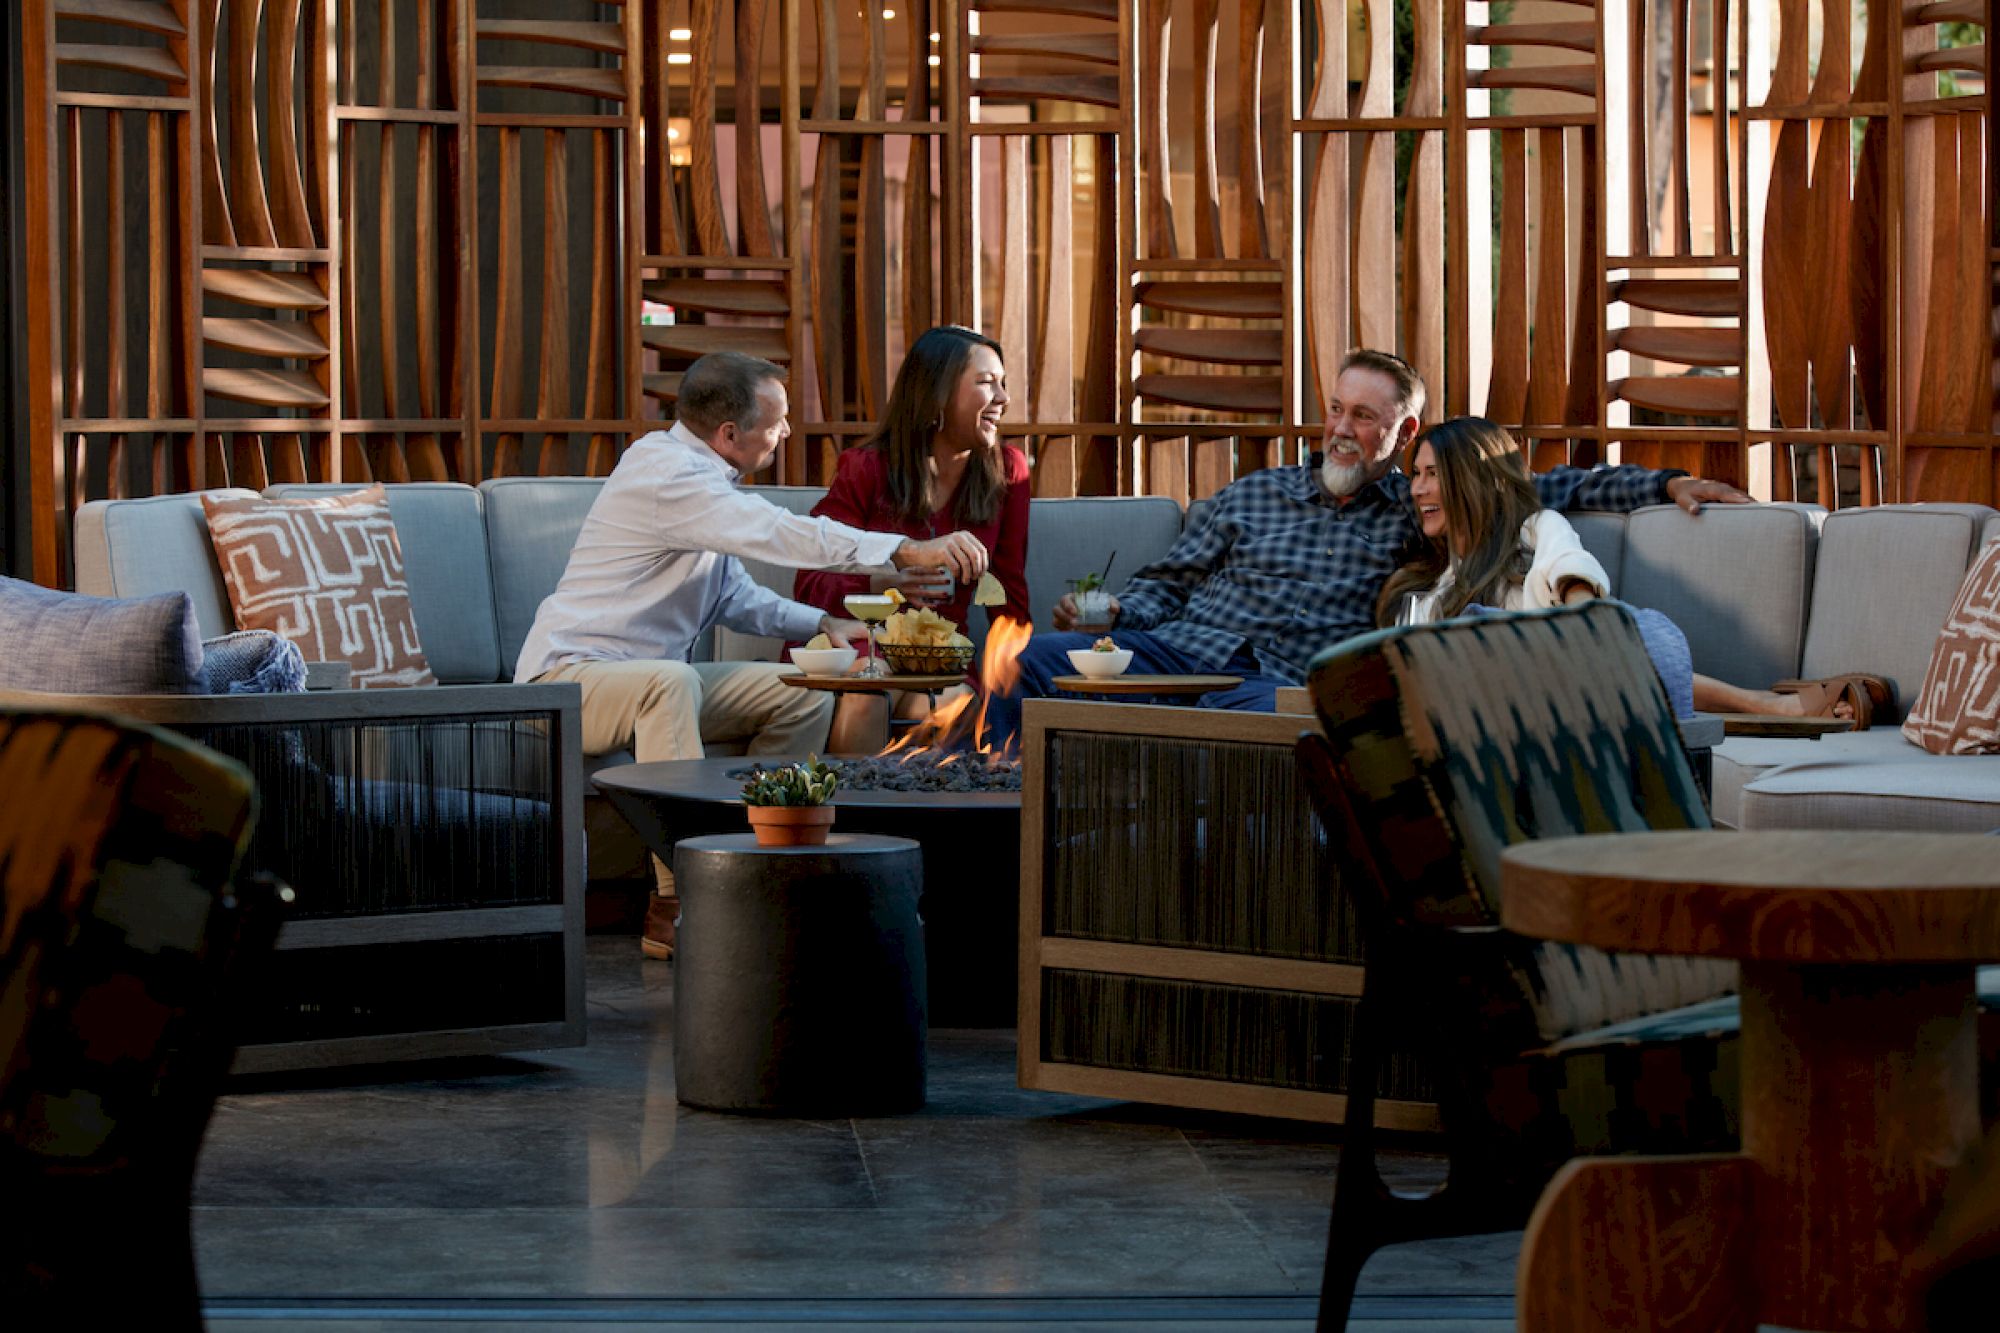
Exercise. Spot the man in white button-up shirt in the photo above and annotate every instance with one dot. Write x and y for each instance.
(656, 563)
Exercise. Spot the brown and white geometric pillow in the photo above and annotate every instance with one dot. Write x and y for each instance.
(326, 573)
(1958, 709)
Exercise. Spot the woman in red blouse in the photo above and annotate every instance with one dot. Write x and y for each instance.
(936, 465)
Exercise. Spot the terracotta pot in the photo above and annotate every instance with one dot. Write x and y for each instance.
(790, 825)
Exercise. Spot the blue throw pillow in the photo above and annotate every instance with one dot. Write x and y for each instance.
(67, 643)
(252, 661)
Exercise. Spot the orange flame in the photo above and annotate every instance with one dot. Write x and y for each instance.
(999, 669)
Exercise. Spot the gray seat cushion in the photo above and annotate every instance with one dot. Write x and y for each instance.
(1875, 785)
(1736, 578)
(1886, 579)
(140, 548)
(1070, 538)
(1741, 760)
(441, 527)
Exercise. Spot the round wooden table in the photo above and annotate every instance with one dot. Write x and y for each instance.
(1152, 685)
(874, 684)
(1860, 1074)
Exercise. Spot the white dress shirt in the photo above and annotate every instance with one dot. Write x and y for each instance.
(656, 561)
(1557, 555)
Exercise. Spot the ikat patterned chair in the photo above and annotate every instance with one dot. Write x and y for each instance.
(121, 933)
(1442, 746)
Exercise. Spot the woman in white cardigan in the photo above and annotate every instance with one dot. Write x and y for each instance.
(1488, 542)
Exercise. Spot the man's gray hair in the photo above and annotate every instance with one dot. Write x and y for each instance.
(1409, 384)
(722, 386)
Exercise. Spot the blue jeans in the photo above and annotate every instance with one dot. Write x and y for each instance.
(1047, 656)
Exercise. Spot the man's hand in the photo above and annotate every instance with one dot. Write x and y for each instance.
(1066, 617)
(1691, 493)
(959, 552)
(843, 633)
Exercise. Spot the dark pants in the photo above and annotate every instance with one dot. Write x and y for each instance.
(1047, 656)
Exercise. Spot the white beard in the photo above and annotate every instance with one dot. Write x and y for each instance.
(1342, 480)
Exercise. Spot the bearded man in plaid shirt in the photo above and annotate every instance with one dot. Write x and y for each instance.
(1290, 560)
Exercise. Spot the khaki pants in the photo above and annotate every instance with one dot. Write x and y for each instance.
(665, 710)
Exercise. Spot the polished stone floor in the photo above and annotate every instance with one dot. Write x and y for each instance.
(570, 1188)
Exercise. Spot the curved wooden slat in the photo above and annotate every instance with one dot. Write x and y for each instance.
(263, 337)
(259, 287)
(1231, 300)
(217, 227)
(1015, 264)
(509, 305)
(1709, 297)
(706, 188)
(161, 325)
(1106, 10)
(1569, 36)
(1970, 59)
(1093, 89)
(1329, 89)
(1224, 347)
(145, 15)
(552, 396)
(607, 37)
(826, 93)
(1099, 48)
(753, 204)
(1055, 360)
(249, 202)
(693, 340)
(1251, 240)
(1692, 395)
(1207, 195)
(266, 388)
(1214, 393)
(113, 203)
(1548, 356)
(721, 296)
(149, 62)
(1950, 11)
(1327, 273)
(919, 230)
(1578, 79)
(829, 302)
(1825, 272)
(390, 296)
(1155, 165)
(1682, 346)
(290, 215)
(1507, 387)
(608, 84)
(663, 386)
(1373, 239)
(607, 263)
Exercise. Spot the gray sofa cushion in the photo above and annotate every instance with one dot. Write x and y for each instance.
(531, 526)
(726, 645)
(75, 644)
(1885, 581)
(1735, 578)
(1070, 538)
(1877, 786)
(139, 548)
(1603, 535)
(1741, 760)
(441, 527)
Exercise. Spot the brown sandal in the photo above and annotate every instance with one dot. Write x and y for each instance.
(1819, 698)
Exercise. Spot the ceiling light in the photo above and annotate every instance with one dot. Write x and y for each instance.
(680, 34)
(679, 58)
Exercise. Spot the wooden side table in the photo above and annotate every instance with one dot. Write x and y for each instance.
(1191, 686)
(1860, 1074)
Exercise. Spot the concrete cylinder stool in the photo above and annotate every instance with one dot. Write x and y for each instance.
(799, 981)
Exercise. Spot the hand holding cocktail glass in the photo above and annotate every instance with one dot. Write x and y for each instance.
(1093, 611)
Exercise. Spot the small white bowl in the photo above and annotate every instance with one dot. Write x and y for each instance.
(824, 661)
(1090, 662)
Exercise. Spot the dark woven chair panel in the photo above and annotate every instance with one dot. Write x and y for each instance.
(1189, 843)
(410, 815)
(1280, 1039)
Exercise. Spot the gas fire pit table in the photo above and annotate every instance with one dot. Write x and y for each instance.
(971, 852)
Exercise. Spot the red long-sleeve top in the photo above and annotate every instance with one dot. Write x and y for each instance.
(860, 496)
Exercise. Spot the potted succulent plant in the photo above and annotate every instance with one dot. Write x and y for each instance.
(791, 806)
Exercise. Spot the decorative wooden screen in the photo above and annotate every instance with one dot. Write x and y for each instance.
(437, 239)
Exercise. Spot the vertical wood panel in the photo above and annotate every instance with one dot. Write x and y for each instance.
(1054, 385)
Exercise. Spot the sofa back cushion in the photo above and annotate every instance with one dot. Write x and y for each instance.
(141, 548)
(1070, 538)
(531, 526)
(1886, 578)
(1603, 535)
(441, 527)
(1737, 579)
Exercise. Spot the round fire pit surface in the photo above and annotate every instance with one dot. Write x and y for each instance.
(972, 863)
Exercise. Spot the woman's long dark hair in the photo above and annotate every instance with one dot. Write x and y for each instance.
(1484, 489)
(923, 392)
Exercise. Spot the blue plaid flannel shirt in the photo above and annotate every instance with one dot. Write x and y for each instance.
(1277, 564)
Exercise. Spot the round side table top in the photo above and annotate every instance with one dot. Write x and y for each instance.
(836, 844)
(1130, 684)
(873, 684)
(1842, 896)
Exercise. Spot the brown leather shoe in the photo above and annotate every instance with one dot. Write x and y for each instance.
(657, 940)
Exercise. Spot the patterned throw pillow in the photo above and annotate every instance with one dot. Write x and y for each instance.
(326, 573)
(1958, 709)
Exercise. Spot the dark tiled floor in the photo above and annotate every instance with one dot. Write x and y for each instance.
(571, 1188)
